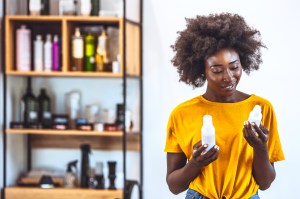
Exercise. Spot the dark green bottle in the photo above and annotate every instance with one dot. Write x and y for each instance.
(95, 7)
(44, 112)
(89, 52)
(30, 107)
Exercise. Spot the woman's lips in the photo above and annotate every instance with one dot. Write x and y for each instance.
(229, 87)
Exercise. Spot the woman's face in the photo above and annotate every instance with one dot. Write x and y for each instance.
(223, 71)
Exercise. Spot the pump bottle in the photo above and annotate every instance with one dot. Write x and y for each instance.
(255, 115)
(70, 176)
(208, 132)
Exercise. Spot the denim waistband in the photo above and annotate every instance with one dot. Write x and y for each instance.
(191, 194)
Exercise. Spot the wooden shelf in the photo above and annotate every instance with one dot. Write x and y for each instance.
(65, 132)
(61, 18)
(60, 193)
(106, 140)
(65, 74)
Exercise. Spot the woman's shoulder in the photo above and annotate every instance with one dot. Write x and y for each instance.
(260, 99)
(187, 105)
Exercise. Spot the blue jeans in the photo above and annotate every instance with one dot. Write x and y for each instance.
(191, 194)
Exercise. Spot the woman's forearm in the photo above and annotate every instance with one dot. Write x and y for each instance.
(263, 171)
(179, 180)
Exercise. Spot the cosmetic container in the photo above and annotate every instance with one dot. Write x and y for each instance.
(23, 49)
(48, 54)
(55, 54)
(38, 53)
(208, 132)
(255, 115)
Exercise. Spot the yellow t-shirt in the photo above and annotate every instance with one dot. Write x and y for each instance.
(231, 174)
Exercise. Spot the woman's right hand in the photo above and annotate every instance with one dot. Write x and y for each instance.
(200, 158)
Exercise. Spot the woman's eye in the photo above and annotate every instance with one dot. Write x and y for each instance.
(216, 71)
(234, 67)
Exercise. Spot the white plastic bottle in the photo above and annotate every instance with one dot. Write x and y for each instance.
(48, 53)
(23, 58)
(38, 53)
(35, 7)
(86, 7)
(208, 132)
(255, 115)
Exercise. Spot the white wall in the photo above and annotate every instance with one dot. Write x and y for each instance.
(276, 80)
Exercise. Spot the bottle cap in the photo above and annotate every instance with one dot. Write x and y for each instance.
(207, 119)
(77, 32)
(48, 37)
(257, 108)
(55, 39)
(39, 37)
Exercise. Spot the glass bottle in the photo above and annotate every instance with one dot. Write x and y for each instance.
(45, 7)
(102, 51)
(29, 107)
(95, 7)
(44, 112)
(89, 52)
(77, 51)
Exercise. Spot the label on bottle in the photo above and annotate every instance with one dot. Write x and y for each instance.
(89, 50)
(46, 115)
(77, 49)
(33, 115)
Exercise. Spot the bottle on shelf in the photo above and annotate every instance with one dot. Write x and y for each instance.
(48, 53)
(29, 107)
(208, 132)
(85, 165)
(70, 178)
(112, 174)
(95, 7)
(120, 116)
(55, 54)
(73, 106)
(89, 52)
(44, 110)
(99, 175)
(38, 53)
(102, 51)
(23, 49)
(77, 51)
(45, 7)
(85, 7)
(35, 7)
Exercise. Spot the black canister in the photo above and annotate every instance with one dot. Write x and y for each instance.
(85, 165)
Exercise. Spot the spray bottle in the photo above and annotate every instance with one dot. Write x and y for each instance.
(70, 176)
(208, 132)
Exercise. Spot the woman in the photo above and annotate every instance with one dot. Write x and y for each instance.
(216, 49)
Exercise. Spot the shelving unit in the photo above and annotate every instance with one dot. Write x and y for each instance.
(37, 193)
(130, 48)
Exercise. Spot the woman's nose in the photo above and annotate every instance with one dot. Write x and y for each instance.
(227, 75)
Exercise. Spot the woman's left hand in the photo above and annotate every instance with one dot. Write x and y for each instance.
(256, 136)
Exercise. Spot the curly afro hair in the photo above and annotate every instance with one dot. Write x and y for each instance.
(205, 35)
